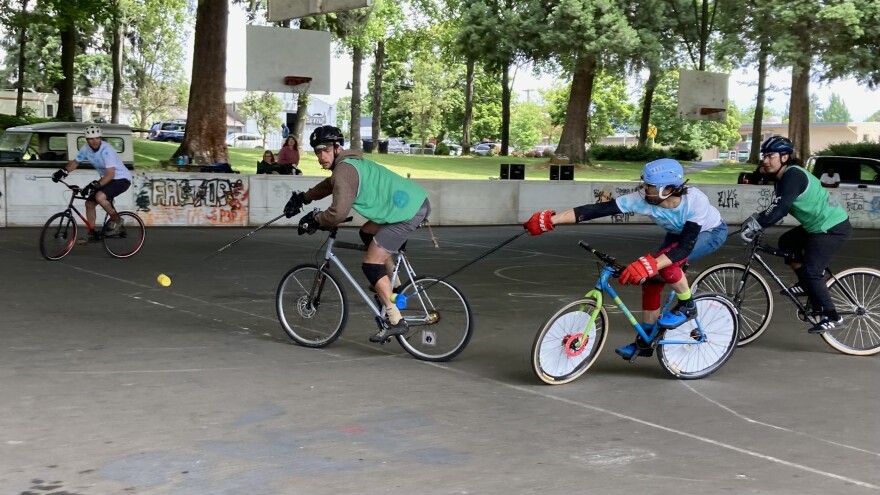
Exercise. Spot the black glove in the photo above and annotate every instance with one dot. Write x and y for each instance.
(93, 187)
(308, 224)
(60, 174)
(295, 203)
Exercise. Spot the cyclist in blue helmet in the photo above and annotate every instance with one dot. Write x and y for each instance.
(823, 230)
(694, 229)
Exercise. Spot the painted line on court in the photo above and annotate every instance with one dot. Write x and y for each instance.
(656, 426)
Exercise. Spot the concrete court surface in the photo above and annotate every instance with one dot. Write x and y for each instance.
(113, 385)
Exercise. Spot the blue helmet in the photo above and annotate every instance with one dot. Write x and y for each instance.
(777, 144)
(663, 172)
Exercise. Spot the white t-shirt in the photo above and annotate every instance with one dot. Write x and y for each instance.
(830, 179)
(106, 157)
(694, 207)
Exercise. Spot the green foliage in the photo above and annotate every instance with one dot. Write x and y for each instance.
(875, 117)
(442, 149)
(611, 110)
(641, 153)
(836, 111)
(425, 101)
(7, 121)
(527, 120)
(863, 150)
(263, 108)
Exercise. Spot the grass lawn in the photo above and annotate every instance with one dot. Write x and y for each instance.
(148, 154)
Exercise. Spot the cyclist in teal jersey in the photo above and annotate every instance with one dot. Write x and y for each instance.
(823, 230)
(114, 179)
(394, 206)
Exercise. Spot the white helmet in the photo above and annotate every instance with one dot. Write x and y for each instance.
(93, 131)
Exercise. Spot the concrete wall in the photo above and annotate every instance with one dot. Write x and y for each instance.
(29, 197)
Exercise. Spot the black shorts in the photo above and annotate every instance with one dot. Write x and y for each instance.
(113, 189)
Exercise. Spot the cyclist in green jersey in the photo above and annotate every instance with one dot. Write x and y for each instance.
(824, 226)
(394, 206)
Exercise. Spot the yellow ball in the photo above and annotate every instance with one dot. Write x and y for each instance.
(164, 280)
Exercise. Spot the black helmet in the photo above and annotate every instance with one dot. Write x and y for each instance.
(325, 135)
(778, 144)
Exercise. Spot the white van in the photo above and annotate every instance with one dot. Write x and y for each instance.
(53, 144)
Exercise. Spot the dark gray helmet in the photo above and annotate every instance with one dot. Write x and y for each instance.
(777, 144)
(326, 135)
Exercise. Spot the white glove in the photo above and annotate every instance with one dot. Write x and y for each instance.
(750, 229)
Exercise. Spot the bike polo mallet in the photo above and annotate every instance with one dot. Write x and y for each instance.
(165, 280)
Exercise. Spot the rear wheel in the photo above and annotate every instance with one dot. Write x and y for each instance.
(754, 302)
(569, 343)
(311, 306)
(856, 293)
(58, 236)
(439, 319)
(693, 357)
(130, 237)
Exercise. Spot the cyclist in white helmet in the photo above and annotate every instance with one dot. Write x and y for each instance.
(114, 179)
(694, 229)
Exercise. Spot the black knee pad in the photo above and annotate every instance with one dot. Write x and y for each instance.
(374, 272)
(366, 238)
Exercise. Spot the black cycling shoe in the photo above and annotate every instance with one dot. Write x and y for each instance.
(826, 323)
(390, 331)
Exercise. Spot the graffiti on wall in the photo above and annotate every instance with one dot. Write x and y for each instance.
(728, 199)
(604, 195)
(192, 201)
(860, 205)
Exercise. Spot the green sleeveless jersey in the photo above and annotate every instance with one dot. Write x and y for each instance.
(815, 209)
(383, 196)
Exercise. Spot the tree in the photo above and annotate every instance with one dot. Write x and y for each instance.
(875, 117)
(526, 122)
(425, 100)
(610, 111)
(836, 111)
(264, 109)
(205, 138)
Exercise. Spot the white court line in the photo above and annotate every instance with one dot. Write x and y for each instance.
(187, 370)
(775, 427)
(649, 424)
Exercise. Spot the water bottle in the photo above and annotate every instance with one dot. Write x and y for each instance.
(179, 161)
(399, 300)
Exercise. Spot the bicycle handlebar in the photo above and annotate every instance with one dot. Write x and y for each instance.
(608, 260)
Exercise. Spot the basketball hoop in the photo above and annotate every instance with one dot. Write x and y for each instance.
(298, 84)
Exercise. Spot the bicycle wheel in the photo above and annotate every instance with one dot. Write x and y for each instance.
(311, 306)
(58, 236)
(130, 237)
(717, 320)
(857, 291)
(439, 319)
(557, 355)
(755, 304)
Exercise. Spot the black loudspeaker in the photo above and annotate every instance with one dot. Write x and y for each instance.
(517, 171)
(561, 172)
(554, 172)
(504, 174)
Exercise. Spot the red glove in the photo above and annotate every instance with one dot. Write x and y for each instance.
(540, 222)
(639, 270)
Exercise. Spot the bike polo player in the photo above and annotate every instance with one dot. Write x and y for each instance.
(393, 206)
(693, 229)
(823, 230)
(114, 179)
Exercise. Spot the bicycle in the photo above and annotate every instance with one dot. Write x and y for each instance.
(570, 341)
(313, 306)
(854, 292)
(59, 232)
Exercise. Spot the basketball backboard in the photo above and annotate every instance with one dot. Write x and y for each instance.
(702, 95)
(282, 10)
(274, 54)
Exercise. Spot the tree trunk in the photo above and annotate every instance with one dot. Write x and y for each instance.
(22, 59)
(650, 86)
(468, 108)
(799, 110)
(205, 138)
(65, 86)
(704, 33)
(755, 151)
(505, 109)
(302, 113)
(116, 55)
(378, 72)
(574, 132)
(357, 60)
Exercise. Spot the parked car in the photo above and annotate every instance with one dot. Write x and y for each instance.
(416, 149)
(244, 140)
(484, 149)
(397, 146)
(168, 131)
(853, 171)
(53, 144)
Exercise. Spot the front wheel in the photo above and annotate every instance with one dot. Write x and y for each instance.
(569, 342)
(439, 319)
(754, 301)
(58, 236)
(855, 295)
(311, 306)
(689, 356)
(130, 237)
